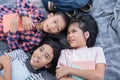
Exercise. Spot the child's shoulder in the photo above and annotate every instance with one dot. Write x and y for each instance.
(96, 49)
(66, 51)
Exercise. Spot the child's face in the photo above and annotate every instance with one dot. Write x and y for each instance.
(75, 36)
(53, 24)
(42, 56)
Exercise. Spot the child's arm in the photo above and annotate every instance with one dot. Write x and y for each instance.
(24, 8)
(12, 40)
(97, 74)
(14, 24)
(27, 23)
(6, 63)
(66, 78)
(34, 39)
(1, 77)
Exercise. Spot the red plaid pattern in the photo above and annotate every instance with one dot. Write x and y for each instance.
(24, 39)
(23, 7)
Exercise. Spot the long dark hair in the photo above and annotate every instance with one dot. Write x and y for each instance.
(57, 42)
(87, 23)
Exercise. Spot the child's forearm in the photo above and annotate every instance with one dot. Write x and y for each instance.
(1, 77)
(87, 74)
(5, 63)
(7, 68)
(7, 73)
(66, 78)
(1, 67)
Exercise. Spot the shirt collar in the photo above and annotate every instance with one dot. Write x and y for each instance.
(82, 48)
(30, 68)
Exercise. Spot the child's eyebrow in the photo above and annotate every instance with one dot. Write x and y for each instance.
(58, 24)
(48, 55)
(57, 20)
(42, 47)
(46, 52)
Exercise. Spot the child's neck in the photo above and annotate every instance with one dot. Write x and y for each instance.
(80, 47)
(39, 26)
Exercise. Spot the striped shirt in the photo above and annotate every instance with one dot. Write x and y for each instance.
(19, 70)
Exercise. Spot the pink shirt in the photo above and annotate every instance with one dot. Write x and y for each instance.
(85, 58)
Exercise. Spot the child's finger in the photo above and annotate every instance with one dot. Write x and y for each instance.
(61, 64)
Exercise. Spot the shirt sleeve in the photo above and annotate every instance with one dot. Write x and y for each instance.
(62, 59)
(14, 54)
(12, 40)
(25, 8)
(35, 40)
(100, 57)
(32, 40)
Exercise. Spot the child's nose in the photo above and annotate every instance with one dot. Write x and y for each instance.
(53, 26)
(69, 35)
(40, 55)
(38, 58)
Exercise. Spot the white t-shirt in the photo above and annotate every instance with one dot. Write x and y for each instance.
(86, 58)
(82, 58)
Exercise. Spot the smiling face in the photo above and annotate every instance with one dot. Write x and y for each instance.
(42, 56)
(53, 24)
(75, 36)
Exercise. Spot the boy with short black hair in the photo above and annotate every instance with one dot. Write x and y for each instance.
(34, 25)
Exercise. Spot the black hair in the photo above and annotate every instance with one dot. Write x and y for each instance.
(87, 23)
(66, 18)
(57, 42)
(56, 53)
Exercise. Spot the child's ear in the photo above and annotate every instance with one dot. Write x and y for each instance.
(50, 15)
(87, 34)
(48, 65)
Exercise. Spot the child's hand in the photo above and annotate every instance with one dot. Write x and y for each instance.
(14, 24)
(5, 61)
(62, 71)
(27, 23)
